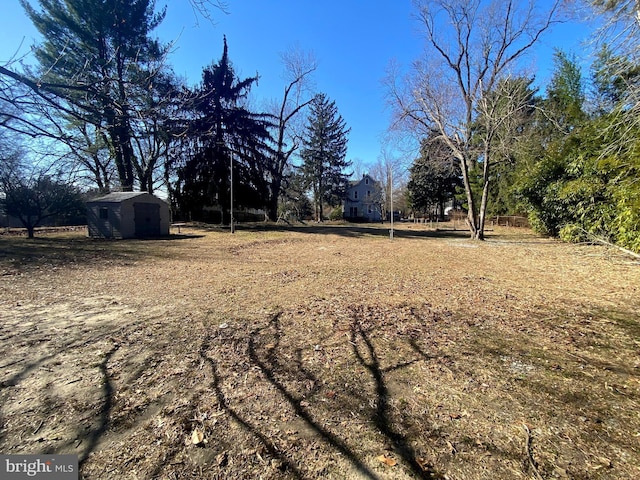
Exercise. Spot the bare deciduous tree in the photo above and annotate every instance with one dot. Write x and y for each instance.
(203, 7)
(471, 45)
(620, 35)
(391, 173)
(298, 94)
(32, 193)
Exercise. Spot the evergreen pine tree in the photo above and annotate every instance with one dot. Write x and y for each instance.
(324, 149)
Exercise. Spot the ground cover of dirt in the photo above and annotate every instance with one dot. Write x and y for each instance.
(322, 352)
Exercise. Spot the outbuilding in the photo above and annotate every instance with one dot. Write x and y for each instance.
(127, 215)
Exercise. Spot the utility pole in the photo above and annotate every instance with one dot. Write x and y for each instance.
(391, 200)
(233, 228)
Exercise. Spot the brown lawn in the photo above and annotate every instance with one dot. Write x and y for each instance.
(322, 352)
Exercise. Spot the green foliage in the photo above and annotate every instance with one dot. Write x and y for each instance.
(579, 187)
(434, 177)
(576, 193)
(503, 131)
(573, 233)
(502, 199)
(336, 214)
(294, 203)
(622, 172)
(565, 95)
(221, 129)
(324, 148)
(611, 75)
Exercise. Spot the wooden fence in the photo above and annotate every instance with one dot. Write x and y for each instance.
(509, 221)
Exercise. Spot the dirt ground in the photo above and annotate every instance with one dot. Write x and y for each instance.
(322, 352)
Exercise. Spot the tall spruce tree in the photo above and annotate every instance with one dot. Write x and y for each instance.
(221, 127)
(324, 154)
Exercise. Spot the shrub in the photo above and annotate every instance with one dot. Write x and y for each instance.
(336, 214)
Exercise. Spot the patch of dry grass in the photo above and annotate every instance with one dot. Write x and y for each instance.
(320, 352)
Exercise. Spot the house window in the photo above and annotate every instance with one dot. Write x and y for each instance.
(355, 194)
(366, 180)
(370, 209)
(368, 193)
(104, 213)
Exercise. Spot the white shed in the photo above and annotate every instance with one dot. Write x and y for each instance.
(127, 215)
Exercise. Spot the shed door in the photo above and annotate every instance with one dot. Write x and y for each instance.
(147, 219)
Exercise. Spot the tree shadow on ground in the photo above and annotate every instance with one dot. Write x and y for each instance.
(360, 230)
(18, 254)
(246, 424)
(298, 386)
(260, 380)
(271, 367)
(105, 409)
(368, 358)
(51, 358)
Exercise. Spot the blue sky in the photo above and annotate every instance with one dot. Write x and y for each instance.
(353, 41)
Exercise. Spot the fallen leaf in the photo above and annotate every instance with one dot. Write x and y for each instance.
(197, 436)
(387, 460)
(606, 462)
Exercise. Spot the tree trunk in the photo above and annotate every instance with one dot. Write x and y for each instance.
(483, 210)
(118, 138)
(272, 204)
(471, 213)
(146, 182)
(485, 190)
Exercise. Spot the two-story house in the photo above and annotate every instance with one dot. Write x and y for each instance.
(363, 201)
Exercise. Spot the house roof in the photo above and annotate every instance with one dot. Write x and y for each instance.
(354, 183)
(117, 197)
